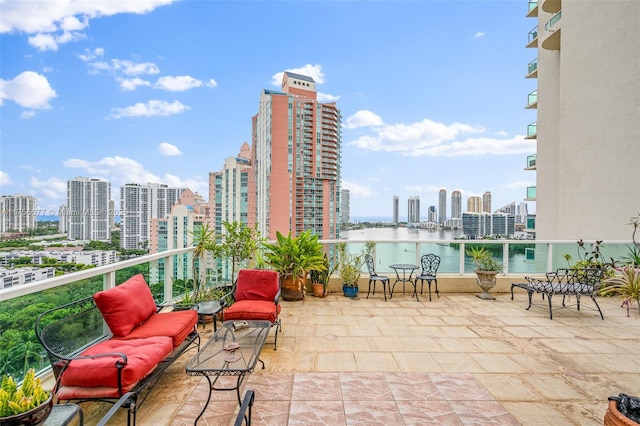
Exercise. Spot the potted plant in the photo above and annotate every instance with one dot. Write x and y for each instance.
(625, 284)
(486, 270)
(293, 258)
(239, 244)
(28, 403)
(320, 278)
(349, 269)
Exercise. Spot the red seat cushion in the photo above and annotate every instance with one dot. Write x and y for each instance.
(126, 306)
(142, 357)
(252, 310)
(176, 324)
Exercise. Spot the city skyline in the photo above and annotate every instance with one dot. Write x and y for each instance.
(114, 95)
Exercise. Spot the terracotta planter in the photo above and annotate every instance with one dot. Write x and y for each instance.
(318, 289)
(613, 417)
(486, 281)
(293, 290)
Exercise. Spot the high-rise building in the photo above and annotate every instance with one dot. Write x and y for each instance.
(230, 197)
(396, 209)
(480, 224)
(442, 206)
(521, 216)
(87, 209)
(296, 158)
(474, 204)
(17, 213)
(585, 59)
(345, 206)
(413, 210)
(138, 205)
(431, 214)
(456, 205)
(508, 209)
(486, 202)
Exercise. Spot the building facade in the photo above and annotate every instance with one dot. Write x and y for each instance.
(474, 204)
(456, 205)
(138, 205)
(479, 225)
(585, 92)
(486, 202)
(87, 212)
(18, 213)
(296, 158)
(345, 206)
(442, 206)
(413, 210)
(396, 209)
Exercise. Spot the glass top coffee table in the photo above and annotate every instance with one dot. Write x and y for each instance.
(233, 350)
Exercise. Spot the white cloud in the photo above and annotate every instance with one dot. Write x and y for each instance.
(52, 188)
(313, 71)
(123, 66)
(128, 84)
(58, 22)
(91, 55)
(4, 178)
(358, 191)
(168, 149)
(28, 114)
(520, 184)
(479, 34)
(363, 118)
(181, 83)
(29, 90)
(430, 138)
(423, 188)
(150, 109)
(325, 97)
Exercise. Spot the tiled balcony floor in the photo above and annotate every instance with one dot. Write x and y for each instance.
(457, 360)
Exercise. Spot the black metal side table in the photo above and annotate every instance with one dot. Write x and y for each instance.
(209, 308)
(404, 267)
(65, 414)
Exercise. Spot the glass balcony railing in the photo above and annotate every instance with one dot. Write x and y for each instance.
(532, 99)
(533, 35)
(533, 5)
(532, 130)
(533, 66)
(531, 193)
(531, 161)
(553, 21)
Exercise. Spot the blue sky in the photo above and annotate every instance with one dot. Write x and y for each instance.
(432, 93)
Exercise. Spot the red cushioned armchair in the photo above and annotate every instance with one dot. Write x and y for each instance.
(255, 297)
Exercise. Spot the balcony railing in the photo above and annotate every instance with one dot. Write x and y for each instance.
(531, 193)
(532, 99)
(531, 162)
(533, 9)
(533, 37)
(533, 69)
(518, 257)
(531, 131)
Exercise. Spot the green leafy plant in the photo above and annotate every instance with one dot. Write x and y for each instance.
(16, 399)
(483, 259)
(238, 243)
(349, 265)
(294, 257)
(625, 284)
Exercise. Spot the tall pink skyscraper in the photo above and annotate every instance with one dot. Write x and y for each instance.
(296, 161)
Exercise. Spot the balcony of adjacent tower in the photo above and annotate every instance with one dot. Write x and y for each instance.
(533, 9)
(533, 37)
(531, 193)
(532, 100)
(552, 30)
(532, 132)
(551, 6)
(531, 162)
(532, 69)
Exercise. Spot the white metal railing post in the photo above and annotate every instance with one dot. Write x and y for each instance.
(505, 258)
(461, 262)
(549, 257)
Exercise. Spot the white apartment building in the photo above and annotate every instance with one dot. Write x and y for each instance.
(20, 276)
(87, 212)
(138, 205)
(585, 72)
(17, 213)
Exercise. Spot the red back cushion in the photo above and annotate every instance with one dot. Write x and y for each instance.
(126, 306)
(257, 284)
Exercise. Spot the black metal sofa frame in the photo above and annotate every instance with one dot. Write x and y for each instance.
(576, 282)
(67, 330)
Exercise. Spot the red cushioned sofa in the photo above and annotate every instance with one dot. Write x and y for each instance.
(114, 343)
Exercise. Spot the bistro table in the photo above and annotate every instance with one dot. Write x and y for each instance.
(209, 308)
(404, 267)
(233, 350)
